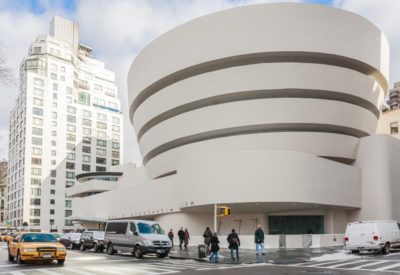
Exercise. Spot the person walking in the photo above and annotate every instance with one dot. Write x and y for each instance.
(207, 238)
(214, 248)
(171, 237)
(186, 238)
(234, 243)
(181, 235)
(259, 240)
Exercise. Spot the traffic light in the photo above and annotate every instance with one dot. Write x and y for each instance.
(224, 211)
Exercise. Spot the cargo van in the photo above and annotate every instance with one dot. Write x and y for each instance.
(372, 235)
(138, 237)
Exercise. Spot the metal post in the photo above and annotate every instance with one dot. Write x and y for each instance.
(215, 217)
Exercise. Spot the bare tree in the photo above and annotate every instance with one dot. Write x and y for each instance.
(6, 76)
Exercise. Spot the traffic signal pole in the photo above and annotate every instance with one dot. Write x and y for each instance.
(215, 217)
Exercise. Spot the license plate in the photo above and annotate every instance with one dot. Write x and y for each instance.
(46, 256)
(160, 250)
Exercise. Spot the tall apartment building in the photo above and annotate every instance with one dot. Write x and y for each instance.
(394, 97)
(3, 186)
(66, 121)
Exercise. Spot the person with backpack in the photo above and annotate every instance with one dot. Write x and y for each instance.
(171, 237)
(207, 238)
(181, 235)
(214, 248)
(234, 243)
(259, 240)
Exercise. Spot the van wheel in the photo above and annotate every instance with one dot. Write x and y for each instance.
(110, 249)
(96, 248)
(354, 251)
(82, 247)
(137, 252)
(386, 249)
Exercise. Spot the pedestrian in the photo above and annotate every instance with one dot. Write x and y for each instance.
(259, 240)
(186, 238)
(234, 243)
(214, 248)
(181, 235)
(207, 238)
(171, 237)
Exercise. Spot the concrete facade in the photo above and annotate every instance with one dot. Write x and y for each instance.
(274, 124)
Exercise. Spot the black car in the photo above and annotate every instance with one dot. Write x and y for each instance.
(71, 240)
(92, 240)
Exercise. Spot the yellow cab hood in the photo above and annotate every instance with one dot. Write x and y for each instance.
(43, 244)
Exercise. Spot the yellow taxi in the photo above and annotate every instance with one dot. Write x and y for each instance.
(3, 236)
(10, 236)
(36, 247)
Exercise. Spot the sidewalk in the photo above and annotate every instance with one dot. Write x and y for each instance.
(247, 256)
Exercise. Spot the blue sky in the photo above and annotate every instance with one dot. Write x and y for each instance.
(118, 29)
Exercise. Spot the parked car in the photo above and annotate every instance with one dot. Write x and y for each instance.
(39, 247)
(71, 240)
(136, 236)
(57, 236)
(92, 240)
(3, 236)
(372, 235)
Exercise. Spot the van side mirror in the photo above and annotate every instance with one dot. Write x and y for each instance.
(135, 233)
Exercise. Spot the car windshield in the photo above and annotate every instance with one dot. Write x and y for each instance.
(38, 238)
(75, 236)
(98, 235)
(145, 228)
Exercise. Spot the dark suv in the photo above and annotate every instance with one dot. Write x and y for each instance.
(92, 240)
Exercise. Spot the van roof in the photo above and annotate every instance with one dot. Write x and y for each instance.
(377, 221)
(112, 221)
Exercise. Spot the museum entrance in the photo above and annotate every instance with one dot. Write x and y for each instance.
(290, 225)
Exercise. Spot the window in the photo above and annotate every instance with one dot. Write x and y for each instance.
(35, 181)
(71, 128)
(55, 96)
(113, 105)
(101, 152)
(115, 162)
(37, 121)
(62, 68)
(37, 50)
(36, 191)
(71, 119)
(71, 137)
(115, 154)
(117, 228)
(36, 161)
(52, 211)
(52, 191)
(86, 149)
(115, 128)
(35, 201)
(54, 123)
(37, 131)
(115, 137)
(53, 201)
(53, 152)
(86, 122)
(70, 156)
(69, 183)
(53, 182)
(68, 223)
(101, 143)
(70, 175)
(62, 78)
(68, 204)
(86, 131)
(71, 110)
(116, 120)
(85, 167)
(87, 113)
(86, 158)
(84, 98)
(394, 128)
(101, 134)
(53, 162)
(37, 101)
(53, 67)
(37, 91)
(38, 82)
(37, 111)
(53, 143)
(55, 86)
(68, 213)
(53, 173)
(101, 125)
(70, 165)
(101, 160)
(36, 171)
(70, 147)
(53, 76)
(98, 87)
(54, 133)
(35, 212)
(86, 140)
(110, 92)
(36, 141)
(101, 117)
(54, 104)
(100, 169)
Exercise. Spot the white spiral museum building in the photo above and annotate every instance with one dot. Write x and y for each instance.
(269, 109)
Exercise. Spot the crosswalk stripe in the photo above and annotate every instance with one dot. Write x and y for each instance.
(366, 265)
(387, 267)
(342, 264)
(324, 263)
(77, 271)
(173, 266)
(16, 273)
(49, 272)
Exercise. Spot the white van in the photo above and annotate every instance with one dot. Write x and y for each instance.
(138, 237)
(372, 235)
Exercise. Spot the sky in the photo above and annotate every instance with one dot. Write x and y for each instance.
(117, 30)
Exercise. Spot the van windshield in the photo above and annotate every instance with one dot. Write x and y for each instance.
(145, 228)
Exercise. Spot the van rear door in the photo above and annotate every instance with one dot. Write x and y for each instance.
(360, 234)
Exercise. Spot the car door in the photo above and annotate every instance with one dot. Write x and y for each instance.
(89, 239)
(14, 245)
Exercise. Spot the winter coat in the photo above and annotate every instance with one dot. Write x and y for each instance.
(181, 234)
(170, 235)
(207, 236)
(214, 244)
(259, 236)
(233, 240)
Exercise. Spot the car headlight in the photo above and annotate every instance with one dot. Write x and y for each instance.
(29, 250)
(60, 249)
(146, 242)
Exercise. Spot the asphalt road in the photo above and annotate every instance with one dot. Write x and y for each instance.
(90, 263)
